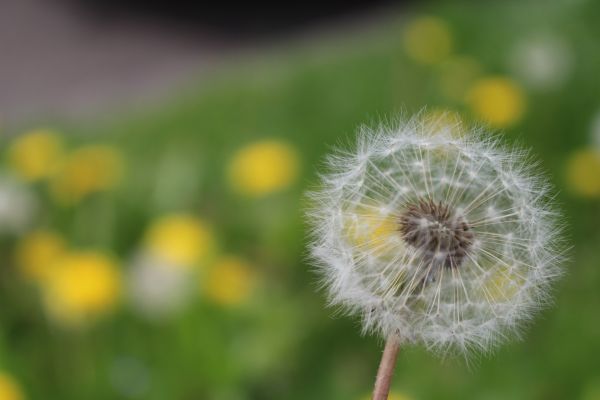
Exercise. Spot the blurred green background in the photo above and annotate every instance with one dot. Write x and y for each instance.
(161, 254)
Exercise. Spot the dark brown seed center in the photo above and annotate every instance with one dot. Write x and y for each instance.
(437, 232)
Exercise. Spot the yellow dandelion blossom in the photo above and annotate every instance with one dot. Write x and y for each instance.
(497, 100)
(456, 75)
(84, 284)
(180, 239)
(36, 154)
(263, 167)
(583, 173)
(230, 281)
(10, 388)
(87, 170)
(37, 253)
(428, 40)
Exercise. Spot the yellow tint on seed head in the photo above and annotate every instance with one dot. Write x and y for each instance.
(230, 281)
(583, 172)
(441, 121)
(427, 40)
(263, 167)
(498, 101)
(10, 388)
(37, 252)
(370, 229)
(502, 285)
(36, 154)
(85, 284)
(89, 169)
(181, 240)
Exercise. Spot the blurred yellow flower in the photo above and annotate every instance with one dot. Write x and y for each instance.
(263, 167)
(456, 75)
(230, 281)
(497, 100)
(37, 252)
(428, 40)
(10, 388)
(438, 121)
(36, 154)
(583, 172)
(392, 396)
(84, 284)
(180, 239)
(90, 169)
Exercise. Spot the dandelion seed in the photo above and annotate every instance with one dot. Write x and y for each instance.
(472, 247)
(440, 120)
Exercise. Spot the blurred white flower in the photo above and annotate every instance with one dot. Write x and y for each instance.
(437, 239)
(18, 205)
(542, 61)
(157, 288)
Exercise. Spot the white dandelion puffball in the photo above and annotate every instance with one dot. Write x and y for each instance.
(437, 239)
(157, 289)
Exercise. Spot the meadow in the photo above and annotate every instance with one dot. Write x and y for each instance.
(158, 254)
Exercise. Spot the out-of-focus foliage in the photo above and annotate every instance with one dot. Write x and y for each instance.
(161, 255)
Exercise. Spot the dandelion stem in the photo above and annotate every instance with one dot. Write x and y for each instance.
(386, 369)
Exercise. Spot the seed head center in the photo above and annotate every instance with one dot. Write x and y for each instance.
(437, 232)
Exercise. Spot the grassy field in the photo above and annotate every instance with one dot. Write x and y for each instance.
(186, 179)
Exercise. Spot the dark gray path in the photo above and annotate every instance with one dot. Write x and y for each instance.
(57, 64)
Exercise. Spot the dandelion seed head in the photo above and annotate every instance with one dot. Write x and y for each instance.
(444, 240)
